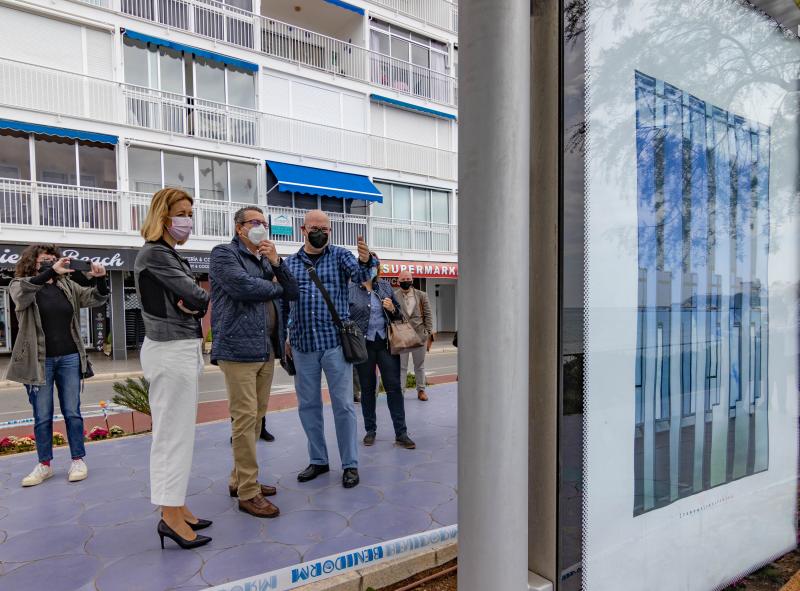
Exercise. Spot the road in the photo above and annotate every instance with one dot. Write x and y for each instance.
(14, 401)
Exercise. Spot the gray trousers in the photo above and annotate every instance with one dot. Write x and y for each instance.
(419, 367)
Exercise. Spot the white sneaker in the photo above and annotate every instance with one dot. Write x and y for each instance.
(40, 474)
(78, 471)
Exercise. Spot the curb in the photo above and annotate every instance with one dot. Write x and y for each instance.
(392, 572)
(107, 377)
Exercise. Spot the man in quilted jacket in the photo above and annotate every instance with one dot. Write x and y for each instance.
(248, 280)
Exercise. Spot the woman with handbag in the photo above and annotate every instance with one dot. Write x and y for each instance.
(172, 359)
(373, 307)
(47, 306)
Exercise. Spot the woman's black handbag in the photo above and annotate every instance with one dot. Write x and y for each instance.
(354, 345)
(89, 373)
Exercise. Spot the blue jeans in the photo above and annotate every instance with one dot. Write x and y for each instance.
(308, 383)
(65, 373)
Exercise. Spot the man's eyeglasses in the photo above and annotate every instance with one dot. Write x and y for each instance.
(254, 223)
(327, 230)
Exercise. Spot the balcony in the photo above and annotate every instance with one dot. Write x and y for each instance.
(66, 94)
(438, 13)
(64, 207)
(289, 42)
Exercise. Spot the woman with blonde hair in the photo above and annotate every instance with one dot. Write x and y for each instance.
(172, 360)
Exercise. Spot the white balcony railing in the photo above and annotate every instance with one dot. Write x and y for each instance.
(112, 102)
(185, 115)
(27, 203)
(32, 204)
(228, 24)
(439, 13)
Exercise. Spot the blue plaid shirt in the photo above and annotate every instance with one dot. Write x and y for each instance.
(310, 324)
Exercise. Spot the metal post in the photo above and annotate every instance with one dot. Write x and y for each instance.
(118, 340)
(493, 302)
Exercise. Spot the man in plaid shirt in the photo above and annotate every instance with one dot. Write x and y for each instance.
(314, 344)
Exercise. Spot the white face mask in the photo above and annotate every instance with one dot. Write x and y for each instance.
(257, 234)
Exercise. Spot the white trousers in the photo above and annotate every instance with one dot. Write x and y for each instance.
(173, 369)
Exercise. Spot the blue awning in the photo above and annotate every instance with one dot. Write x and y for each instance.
(318, 181)
(217, 57)
(59, 132)
(403, 105)
(346, 6)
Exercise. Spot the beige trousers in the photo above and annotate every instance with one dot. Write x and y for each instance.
(249, 386)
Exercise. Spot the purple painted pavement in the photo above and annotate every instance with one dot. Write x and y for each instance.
(99, 534)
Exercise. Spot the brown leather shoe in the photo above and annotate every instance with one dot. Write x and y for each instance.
(258, 506)
(266, 490)
(421, 395)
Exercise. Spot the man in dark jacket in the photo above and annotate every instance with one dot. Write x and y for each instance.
(248, 278)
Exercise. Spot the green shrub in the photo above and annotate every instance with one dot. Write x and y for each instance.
(133, 394)
(58, 438)
(411, 381)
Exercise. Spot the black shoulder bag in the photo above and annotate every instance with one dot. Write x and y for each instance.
(354, 345)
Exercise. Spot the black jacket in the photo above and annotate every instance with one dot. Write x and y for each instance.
(163, 278)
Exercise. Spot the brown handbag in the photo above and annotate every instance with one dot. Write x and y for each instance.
(402, 336)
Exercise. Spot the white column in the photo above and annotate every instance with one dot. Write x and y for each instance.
(493, 300)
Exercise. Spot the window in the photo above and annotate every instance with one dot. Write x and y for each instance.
(213, 178)
(97, 165)
(14, 155)
(144, 170)
(244, 182)
(409, 47)
(241, 88)
(56, 161)
(422, 205)
(401, 202)
(216, 179)
(210, 80)
(440, 207)
(333, 204)
(179, 172)
(171, 64)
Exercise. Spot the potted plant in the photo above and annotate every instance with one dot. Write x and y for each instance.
(107, 345)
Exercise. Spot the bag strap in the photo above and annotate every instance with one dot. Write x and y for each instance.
(312, 272)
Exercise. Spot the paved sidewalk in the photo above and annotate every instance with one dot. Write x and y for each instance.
(99, 535)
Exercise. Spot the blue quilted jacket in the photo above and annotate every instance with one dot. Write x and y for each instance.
(241, 283)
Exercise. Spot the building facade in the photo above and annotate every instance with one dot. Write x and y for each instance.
(350, 107)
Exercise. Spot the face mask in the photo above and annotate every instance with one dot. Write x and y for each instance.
(406, 284)
(317, 238)
(45, 265)
(373, 274)
(180, 229)
(257, 234)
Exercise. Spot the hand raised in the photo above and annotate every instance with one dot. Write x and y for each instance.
(98, 270)
(61, 266)
(363, 249)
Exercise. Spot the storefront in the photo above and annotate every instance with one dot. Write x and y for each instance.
(438, 280)
(115, 327)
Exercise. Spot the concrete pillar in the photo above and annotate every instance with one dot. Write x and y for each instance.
(119, 350)
(493, 302)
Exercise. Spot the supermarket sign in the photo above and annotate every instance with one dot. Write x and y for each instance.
(420, 269)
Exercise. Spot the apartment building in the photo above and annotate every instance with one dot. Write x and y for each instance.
(350, 107)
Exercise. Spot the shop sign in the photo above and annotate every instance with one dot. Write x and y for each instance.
(420, 269)
(281, 224)
(114, 259)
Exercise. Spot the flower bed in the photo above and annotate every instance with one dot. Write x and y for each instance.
(13, 445)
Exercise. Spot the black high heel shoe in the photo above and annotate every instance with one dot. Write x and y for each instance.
(201, 524)
(165, 531)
